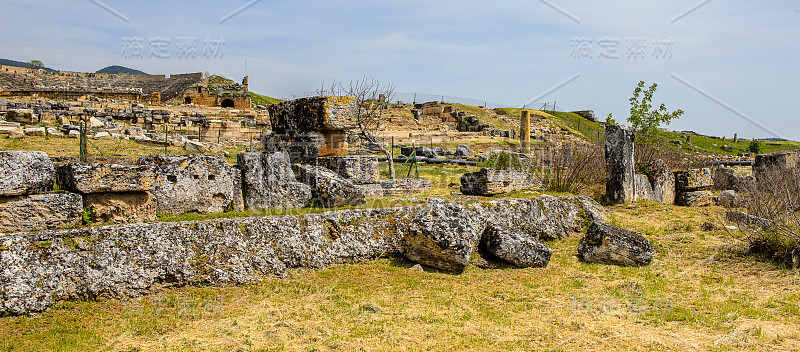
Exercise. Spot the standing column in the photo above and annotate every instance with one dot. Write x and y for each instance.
(620, 186)
(525, 132)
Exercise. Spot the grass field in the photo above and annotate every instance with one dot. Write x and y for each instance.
(700, 293)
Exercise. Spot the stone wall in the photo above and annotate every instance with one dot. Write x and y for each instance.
(128, 260)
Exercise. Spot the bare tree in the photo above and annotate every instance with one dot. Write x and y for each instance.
(371, 99)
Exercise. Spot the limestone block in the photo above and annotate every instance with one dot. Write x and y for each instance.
(462, 151)
(328, 188)
(195, 147)
(515, 247)
(191, 183)
(487, 182)
(21, 116)
(35, 131)
(361, 169)
(404, 186)
(619, 164)
(40, 212)
(315, 113)
(268, 182)
(24, 172)
(443, 236)
(121, 208)
(99, 178)
(695, 198)
(607, 244)
(694, 180)
(662, 181)
(643, 190)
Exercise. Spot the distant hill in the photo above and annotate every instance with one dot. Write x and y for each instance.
(13, 63)
(116, 69)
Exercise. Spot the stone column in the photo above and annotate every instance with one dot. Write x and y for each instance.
(620, 183)
(525, 132)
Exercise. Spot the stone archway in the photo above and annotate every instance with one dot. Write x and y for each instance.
(227, 103)
(187, 100)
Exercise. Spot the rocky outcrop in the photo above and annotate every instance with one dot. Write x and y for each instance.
(40, 212)
(607, 244)
(268, 182)
(443, 236)
(120, 208)
(25, 173)
(328, 189)
(191, 183)
(101, 178)
(488, 182)
(515, 247)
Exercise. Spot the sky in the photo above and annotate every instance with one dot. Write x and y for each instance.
(731, 66)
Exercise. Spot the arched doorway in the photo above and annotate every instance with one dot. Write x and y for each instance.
(226, 103)
(187, 100)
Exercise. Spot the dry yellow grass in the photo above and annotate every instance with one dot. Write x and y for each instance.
(700, 293)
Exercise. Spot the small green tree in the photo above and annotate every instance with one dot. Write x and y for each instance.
(610, 120)
(34, 64)
(755, 146)
(644, 119)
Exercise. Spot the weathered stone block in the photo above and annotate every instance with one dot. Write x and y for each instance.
(35, 131)
(782, 160)
(607, 244)
(462, 151)
(100, 178)
(515, 247)
(40, 212)
(728, 199)
(328, 188)
(694, 180)
(443, 236)
(268, 182)
(695, 198)
(121, 207)
(619, 164)
(487, 182)
(187, 183)
(24, 172)
(21, 116)
(361, 169)
(727, 179)
(643, 190)
(404, 186)
(315, 113)
(662, 181)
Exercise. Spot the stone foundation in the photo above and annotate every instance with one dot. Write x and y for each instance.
(488, 182)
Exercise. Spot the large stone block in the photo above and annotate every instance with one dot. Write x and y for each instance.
(328, 189)
(361, 169)
(662, 181)
(727, 179)
(695, 198)
(268, 182)
(21, 116)
(619, 164)
(515, 247)
(607, 244)
(121, 208)
(315, 113)
(100, 178)
(191, 183)
(694, 180)
(443, 236)
(487, 182)
(40, 212)
(404, 186)
(643, 190)
(25, 173)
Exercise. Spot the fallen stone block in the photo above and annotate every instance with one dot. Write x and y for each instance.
(361, 169)
(120, 208)
(35, 131)
(515, 247)
(662, 181)
(607, 244)
(488, 182)
(99, 178)
(462, 151)
(404, 186)
(727, 179)
(643, 190)
(102, 135)
(40, 212)
(694, 180)
(195, 147)
(21, 116)
(191, 183)
(695, 199)
(24, 172)
(728, 199)
(268, 182)
(328, 188)
(443, 236)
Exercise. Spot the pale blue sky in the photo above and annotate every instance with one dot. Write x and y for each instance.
(744, 54)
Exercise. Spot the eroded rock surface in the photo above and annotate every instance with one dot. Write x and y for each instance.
(24, 172)
(40, 212)
(608, 244)
(515, 247)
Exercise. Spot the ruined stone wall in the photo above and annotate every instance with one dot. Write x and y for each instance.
(127, 260)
